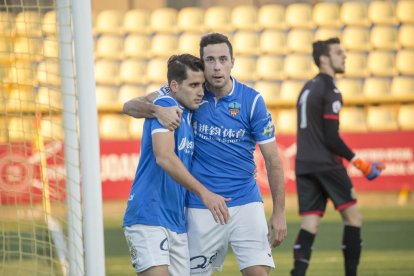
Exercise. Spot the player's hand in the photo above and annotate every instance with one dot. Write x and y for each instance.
(277, 229)
(217, 206)
(370, 170)
(169, 117)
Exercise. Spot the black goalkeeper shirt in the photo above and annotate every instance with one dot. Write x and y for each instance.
(319, 146)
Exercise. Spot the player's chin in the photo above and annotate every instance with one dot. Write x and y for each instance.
(194, 106)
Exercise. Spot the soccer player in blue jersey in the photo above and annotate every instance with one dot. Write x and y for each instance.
(231, 120)
(154, 221)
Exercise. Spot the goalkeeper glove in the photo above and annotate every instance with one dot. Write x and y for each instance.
(370, 170)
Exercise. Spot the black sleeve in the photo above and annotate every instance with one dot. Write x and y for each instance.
(334, 142)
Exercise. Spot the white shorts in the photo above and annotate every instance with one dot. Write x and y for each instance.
(246, 232)
(155, 245)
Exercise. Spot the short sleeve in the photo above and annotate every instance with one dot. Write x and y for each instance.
(164, 101)
(263, 130)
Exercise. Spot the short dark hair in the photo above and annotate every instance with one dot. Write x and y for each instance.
(214, 38)
(178, 64)
(321, 48)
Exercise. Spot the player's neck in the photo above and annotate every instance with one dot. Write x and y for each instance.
(220, 92)
(328, 71)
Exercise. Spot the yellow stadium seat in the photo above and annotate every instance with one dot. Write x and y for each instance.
(21, 128)
(157, 70)
(48, 72)
(137, 46)
(269, 67)
(381, 63)
(352, 119)
(406, 37)
(299, 15)
(382, 118)
(20, 99)
(299, 66)
(405, 11)
(402, 87)
(164, 20)
(286, 121)
(6, 23)
(23, 73)
(128, 92)
(4, 133)
(155, 86)
(106, 96)
(50, 97)
(51, 128)
(356, 39)
(290, 90)
(377, 88)
(355, 13)
(244, 68)
(28, 24)
(326, 33)
(218, 19)
(356, 65)
(189, 43)
(164, 45)
(109, 22)
(50, 23)
(244, 17)
(272, 16)
(136, 128)
(272, 42)
(136, 21)
(245, 43)
(50, 47)
(190, 19)
(351, 89)
(405, 62)
(300, 41)
(382, 12)
(28, 48)
(384, 37)
(270, 90)
(109, 47)
(6, 49)
(133, 72)
(326, 15)
(405, 117)
(113, 126)
(107, 72)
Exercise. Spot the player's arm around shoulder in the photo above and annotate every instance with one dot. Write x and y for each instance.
(277, 222)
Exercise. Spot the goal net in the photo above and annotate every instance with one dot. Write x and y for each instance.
(40, 191)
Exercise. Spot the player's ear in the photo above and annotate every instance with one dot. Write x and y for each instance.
(174, 86)
(232, 62)
(323, 59)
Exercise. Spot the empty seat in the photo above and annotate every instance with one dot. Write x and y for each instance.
(272, 42)
(27, 48)
(50, 97)
(382, 12)
(50, 23)
(20, 99)
(326, 15)
(136, 127)
(50, 47)
(109, 22)
(157, 70)
(244, 68)
(300, 41)
(325, 33)
(356, 39)
(290, 90)
(246, 43)
(384, 37)
(106, 96)
(21, 128)
(270, 90)
(405, 62)
(405, 117)
(133, 71)
(154, 87)
(51, 128)
(286, 121)
(113, 126)
(137, 46)
(28, 24)
(377, 88)
(23, 73)
(269, 68)
(218, 19)
(381, 63)
(136, 21)
(190, 19)
(109, 47)
(406, 37)
(271, 16)
(351, 89)
(244, 17)
(354, 13)
(48, 72)
(6, 23)
(356, 65)
(4, 133)
(405, 11)
(107, 72)
(403, 87)
(164, 20)
(164, 45)
(299, 66)
(299, 15)
(189, 43)
(352, 119)
(382, 118)
(128, 92)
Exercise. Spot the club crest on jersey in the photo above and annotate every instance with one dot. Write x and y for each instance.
(269, 129)
(234, 108)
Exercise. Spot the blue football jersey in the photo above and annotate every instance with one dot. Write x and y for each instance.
(155, 198)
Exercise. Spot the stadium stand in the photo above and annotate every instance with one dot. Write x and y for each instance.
(136, 21)
(384, 37)
(356, 64)
(272, 42)
(244, 69)
(272, 17)
(382, 118)
(137, 46)
(381, 63)
(352, 119)
(218, 19)
(300, 41)
(405, 117)
(244, 17)
(132, 71)
(163, 20)
(127, 92)
(246, 43)
(190, 19)
(405, 11)
(270, 90)
(106, 95)
(405, 62)
(351, 89)
(269, 67)
(355, 13)
(189, 43)
(406, 37)
(299, 15)
(113, 126)
(289, 91)
(109, 22)
(163, 45)
(286, 121)
(356, 39)
(326, 14)
(109, 47)
(382, 12)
